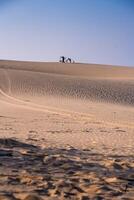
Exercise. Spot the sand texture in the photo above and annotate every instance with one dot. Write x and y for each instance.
(66, 131)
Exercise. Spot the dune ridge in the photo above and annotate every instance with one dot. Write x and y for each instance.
(77, 69)
(31, 82)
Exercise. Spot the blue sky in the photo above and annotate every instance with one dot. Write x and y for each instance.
(91, 31)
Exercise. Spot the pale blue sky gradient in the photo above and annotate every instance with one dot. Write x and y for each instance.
(90, 31)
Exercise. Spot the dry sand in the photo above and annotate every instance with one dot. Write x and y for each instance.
(66, 131)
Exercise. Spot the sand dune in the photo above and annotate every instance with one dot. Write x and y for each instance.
(66, 131)
(81, 84)
(82, 70)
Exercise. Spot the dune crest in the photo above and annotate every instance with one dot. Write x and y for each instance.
(115, 86)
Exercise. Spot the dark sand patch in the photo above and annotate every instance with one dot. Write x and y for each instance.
(68, 173)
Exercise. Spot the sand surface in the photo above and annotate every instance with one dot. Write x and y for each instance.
(66, 131)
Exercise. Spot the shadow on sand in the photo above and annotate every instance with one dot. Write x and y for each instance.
(63, 173)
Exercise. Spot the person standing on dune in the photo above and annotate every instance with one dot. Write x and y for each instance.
(62, 59)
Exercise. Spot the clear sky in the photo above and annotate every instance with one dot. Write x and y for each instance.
(92, 31)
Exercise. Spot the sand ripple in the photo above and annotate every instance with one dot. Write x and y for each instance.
(32, 85)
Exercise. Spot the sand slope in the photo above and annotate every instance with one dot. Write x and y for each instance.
(94, 83)
(66, 131)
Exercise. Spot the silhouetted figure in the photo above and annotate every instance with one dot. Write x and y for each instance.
(62, 59)
(69, 60)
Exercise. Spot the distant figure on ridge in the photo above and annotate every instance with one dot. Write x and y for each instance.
(69, 60)
(62, 59)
